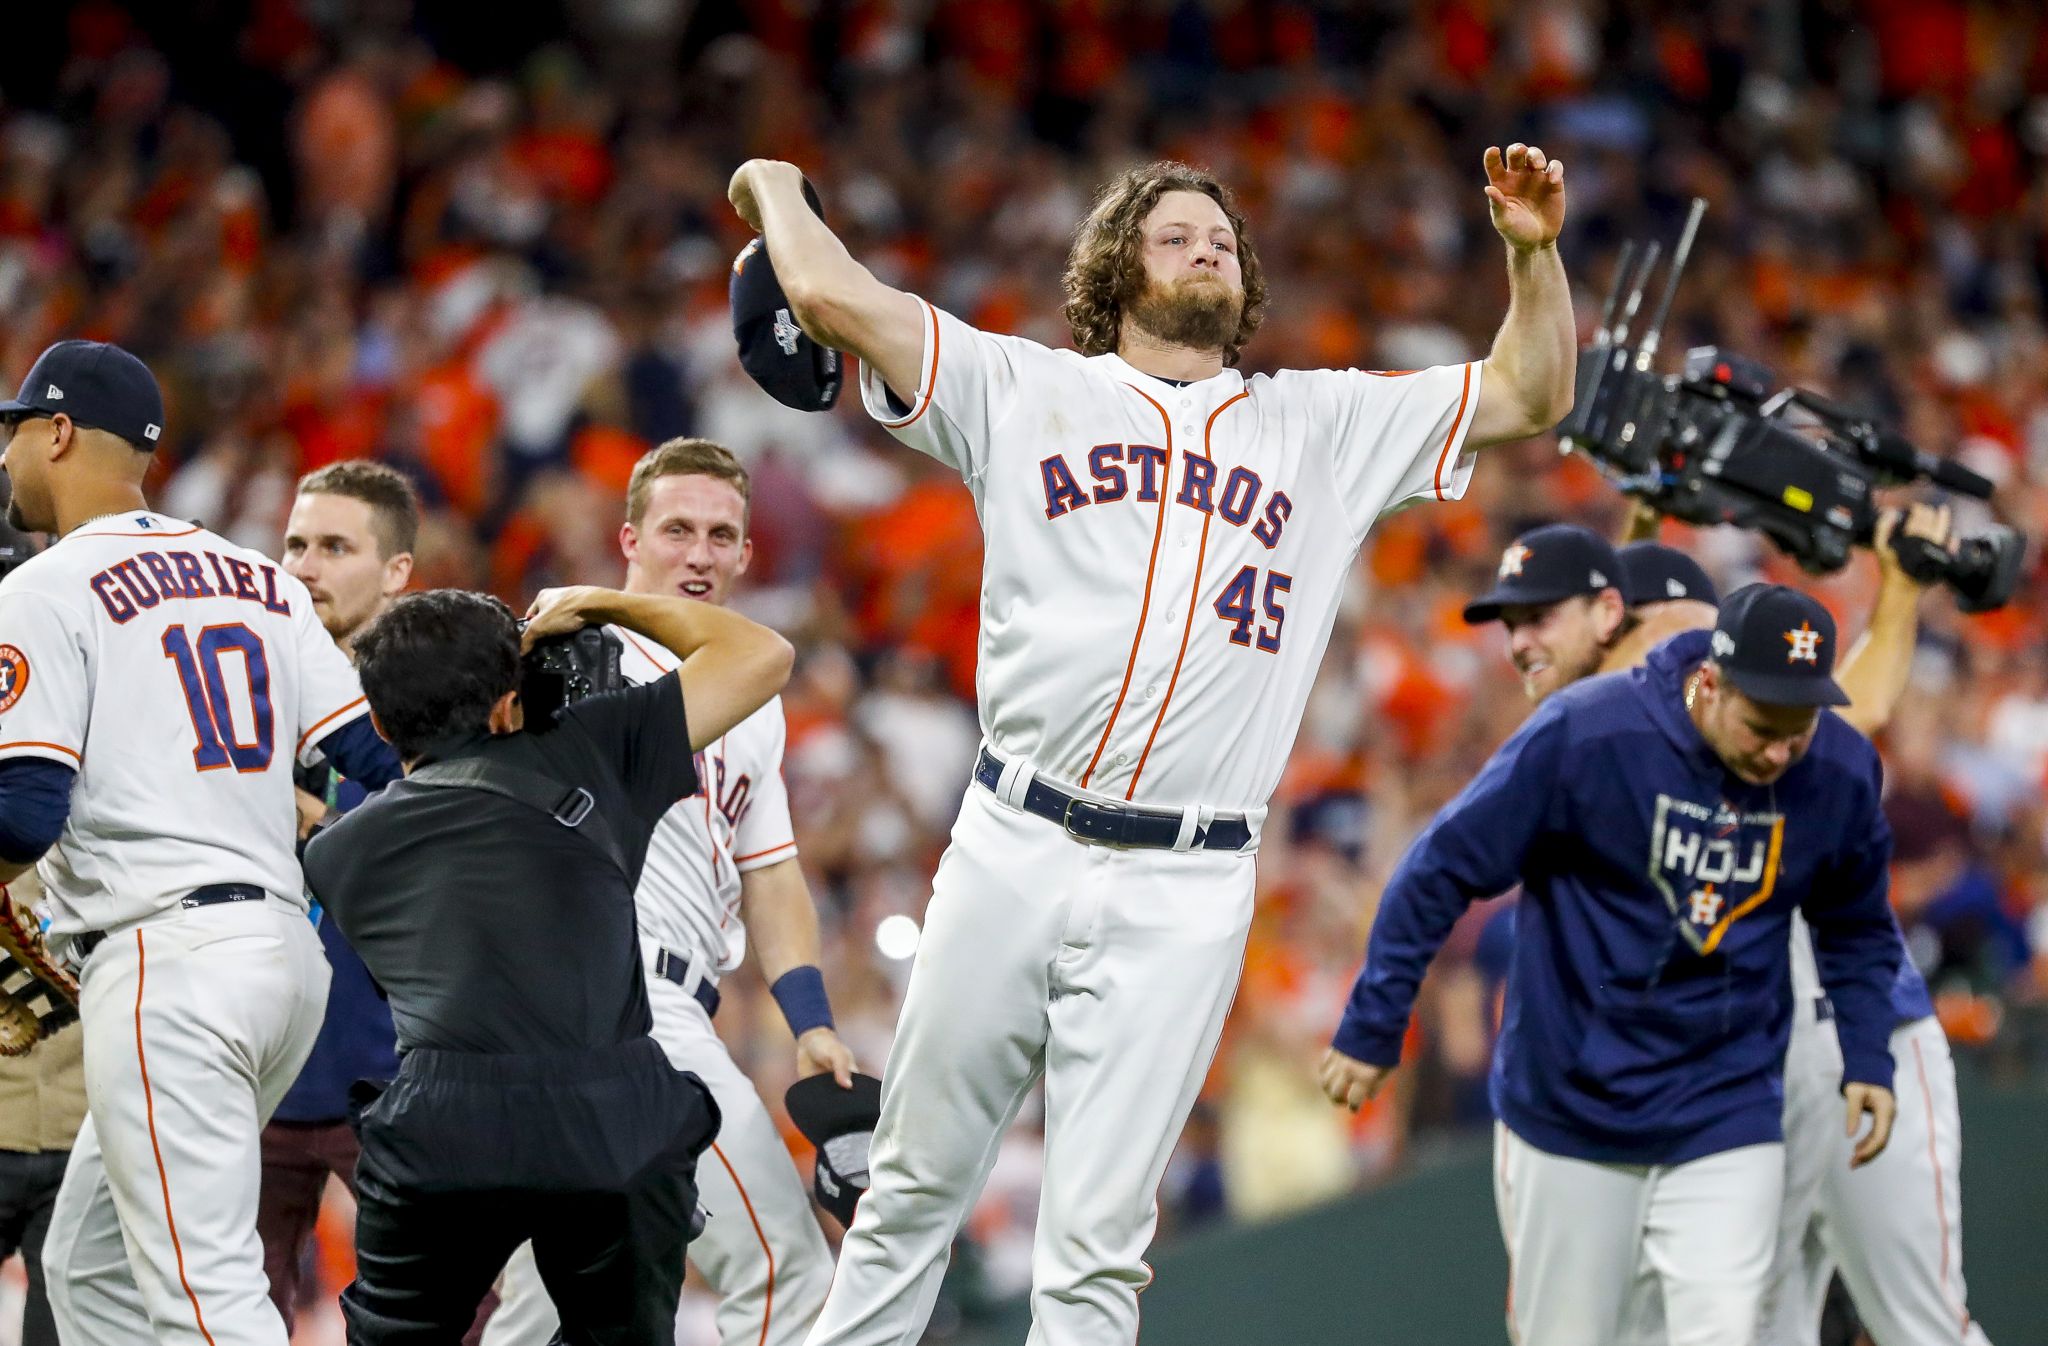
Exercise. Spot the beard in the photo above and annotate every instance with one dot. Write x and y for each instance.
(1199, 315)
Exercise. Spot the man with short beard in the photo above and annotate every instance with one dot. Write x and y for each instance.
(1168, 542)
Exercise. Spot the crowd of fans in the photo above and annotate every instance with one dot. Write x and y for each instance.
(494, 252)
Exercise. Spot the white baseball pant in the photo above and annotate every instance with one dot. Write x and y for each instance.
(1895, 1226)
(196, 1023)
(761, 1252)
(1582, 1237)
(1108, 973)
(1816, 1127)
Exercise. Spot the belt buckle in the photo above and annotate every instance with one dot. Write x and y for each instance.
(1101, 810)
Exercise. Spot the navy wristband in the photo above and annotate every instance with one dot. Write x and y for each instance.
(801, 994)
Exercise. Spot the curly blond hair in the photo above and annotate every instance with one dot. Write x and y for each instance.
(1105, 273)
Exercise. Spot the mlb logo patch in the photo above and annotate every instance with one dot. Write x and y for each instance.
(13, 676)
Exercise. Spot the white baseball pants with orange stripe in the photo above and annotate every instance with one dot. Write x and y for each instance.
(1894, 1227)
(1584, 1238)
(761, 1252)
(196, 1023)
(1106, 972)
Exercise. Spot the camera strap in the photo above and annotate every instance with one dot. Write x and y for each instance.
(574, 808)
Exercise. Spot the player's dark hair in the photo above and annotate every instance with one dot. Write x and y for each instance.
(1106, 270)
(684, 457)
(433, 664)
(394, 504)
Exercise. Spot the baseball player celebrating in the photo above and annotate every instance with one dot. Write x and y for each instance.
(1168, 541)
(721, 867)
(156, 684)
(1663, 826)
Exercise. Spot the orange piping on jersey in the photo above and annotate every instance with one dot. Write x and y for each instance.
(768, 1307)
(1194, 597)
(149, 1112)
(320, 724)
(1390, 373)
(789, 845)
(72, 753)
(139, 532)
(1452, 437)
(1144, 606)
(931, 386)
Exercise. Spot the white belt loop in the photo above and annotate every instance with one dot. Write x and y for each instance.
(1193, 820)
(1015, 782)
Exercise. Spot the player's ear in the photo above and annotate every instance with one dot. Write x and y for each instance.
(378, 725)
(629, 541)
(63, 435)
(397, 574)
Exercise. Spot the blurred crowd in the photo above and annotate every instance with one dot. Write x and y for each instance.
(494, 252)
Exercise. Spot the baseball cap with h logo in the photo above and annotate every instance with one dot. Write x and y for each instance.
(1777, 645)
(99, 386)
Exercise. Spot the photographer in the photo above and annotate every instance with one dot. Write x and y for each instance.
(491, 894)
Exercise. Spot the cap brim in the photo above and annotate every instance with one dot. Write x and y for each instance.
(1787, 689)
(14, 404)
(823, 1110)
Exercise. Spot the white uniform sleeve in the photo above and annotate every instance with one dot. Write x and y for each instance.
(45, 687)
(1397, 438)
(765, 835)
(329, 693)
(966, 385)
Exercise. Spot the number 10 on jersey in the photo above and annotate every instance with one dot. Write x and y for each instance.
(206, 696)
(1236, 606)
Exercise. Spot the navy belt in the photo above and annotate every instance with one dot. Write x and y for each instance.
(212, 895)
(1130, 825)
(672, 966)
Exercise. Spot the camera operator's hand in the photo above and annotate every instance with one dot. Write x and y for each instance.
(1926, 529)
(820, 1052)
(558, 612)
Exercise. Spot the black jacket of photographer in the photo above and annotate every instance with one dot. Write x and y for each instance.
(506, 941)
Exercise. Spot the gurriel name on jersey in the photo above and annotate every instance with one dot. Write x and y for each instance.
(147, 578)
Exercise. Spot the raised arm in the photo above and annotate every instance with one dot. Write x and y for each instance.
(831, 296)
(1877, 667)
(730, 668)
(1527, 387)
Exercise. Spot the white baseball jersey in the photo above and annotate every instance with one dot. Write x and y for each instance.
(737, 822)
(181, 675)
(1164, 563)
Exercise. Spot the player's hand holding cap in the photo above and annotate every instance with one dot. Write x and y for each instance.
(1548, 565)
(99, 386)
(777, 353)
(1777, 645)
(841, 1123)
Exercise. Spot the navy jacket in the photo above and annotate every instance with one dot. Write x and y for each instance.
(1649, 1002)
(357, 1040)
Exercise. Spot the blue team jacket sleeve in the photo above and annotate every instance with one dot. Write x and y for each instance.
(35, 801)
(1856, 941)
(1473, 849)
(356, 751)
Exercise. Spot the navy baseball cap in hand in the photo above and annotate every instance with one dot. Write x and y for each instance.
(1654, 573)
(777, 353)
(1548, 565)
(1777, 645)
(97, 385)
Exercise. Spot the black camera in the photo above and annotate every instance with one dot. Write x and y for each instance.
(564, 669)
(1720, 443)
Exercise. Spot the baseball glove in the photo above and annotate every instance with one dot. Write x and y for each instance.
(37, 995)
